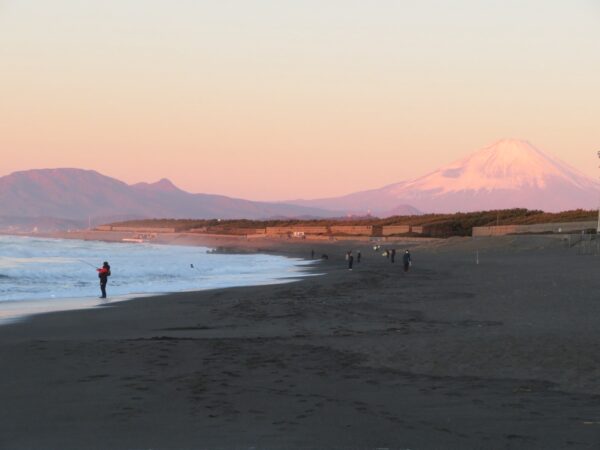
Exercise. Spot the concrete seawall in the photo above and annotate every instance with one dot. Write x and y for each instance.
(559, 227)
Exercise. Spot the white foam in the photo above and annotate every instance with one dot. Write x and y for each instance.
(44, 275)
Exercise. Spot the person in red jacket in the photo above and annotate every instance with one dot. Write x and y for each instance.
(103, 274)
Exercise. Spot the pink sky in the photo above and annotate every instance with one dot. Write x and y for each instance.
(276, 100)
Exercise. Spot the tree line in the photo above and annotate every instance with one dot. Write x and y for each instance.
(443, 225)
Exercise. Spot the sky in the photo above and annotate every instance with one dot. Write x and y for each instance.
(283, 99)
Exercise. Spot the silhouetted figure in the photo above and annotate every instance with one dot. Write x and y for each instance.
(358, 255)
(350, 261)
(103, 274)
(393, 255)
(406, 260)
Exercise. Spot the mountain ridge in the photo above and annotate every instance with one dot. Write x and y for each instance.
(80, 195)
(510, 173)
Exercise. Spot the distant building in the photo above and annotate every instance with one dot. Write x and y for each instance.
(291, 230)
(391, 230)
(356, 230)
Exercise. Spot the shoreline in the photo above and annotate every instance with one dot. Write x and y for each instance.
(449, 355)
(35, 307)
(16, 310)
(234, 243)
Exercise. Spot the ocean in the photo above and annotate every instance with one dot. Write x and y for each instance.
(43, 275)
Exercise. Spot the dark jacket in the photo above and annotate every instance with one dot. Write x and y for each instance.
(104, 273)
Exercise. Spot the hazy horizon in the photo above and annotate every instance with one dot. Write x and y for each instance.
(267, 100)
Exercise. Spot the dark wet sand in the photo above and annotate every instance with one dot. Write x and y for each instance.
(452, 355)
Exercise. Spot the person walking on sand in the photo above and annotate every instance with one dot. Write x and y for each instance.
(406, 260)
(103, 274)
(393, 255)
(350, 260)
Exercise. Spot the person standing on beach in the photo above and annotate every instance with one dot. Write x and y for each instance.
(406, 260)
(103, 274)
(393, 255)
(350, 260)
(358, 256)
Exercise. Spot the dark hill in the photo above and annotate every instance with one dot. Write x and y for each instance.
(77, 195)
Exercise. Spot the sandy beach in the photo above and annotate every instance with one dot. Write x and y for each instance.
(451, 355)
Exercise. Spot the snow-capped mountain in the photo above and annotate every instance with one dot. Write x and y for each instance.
(507, 174)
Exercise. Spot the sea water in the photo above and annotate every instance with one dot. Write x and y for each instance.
(42, 275)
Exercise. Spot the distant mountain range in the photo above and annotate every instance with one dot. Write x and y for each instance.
(507, 174)
(62, 198)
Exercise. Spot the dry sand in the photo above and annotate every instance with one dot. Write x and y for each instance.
(452, 355)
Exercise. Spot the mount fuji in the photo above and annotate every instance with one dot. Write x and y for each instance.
(510, 173)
